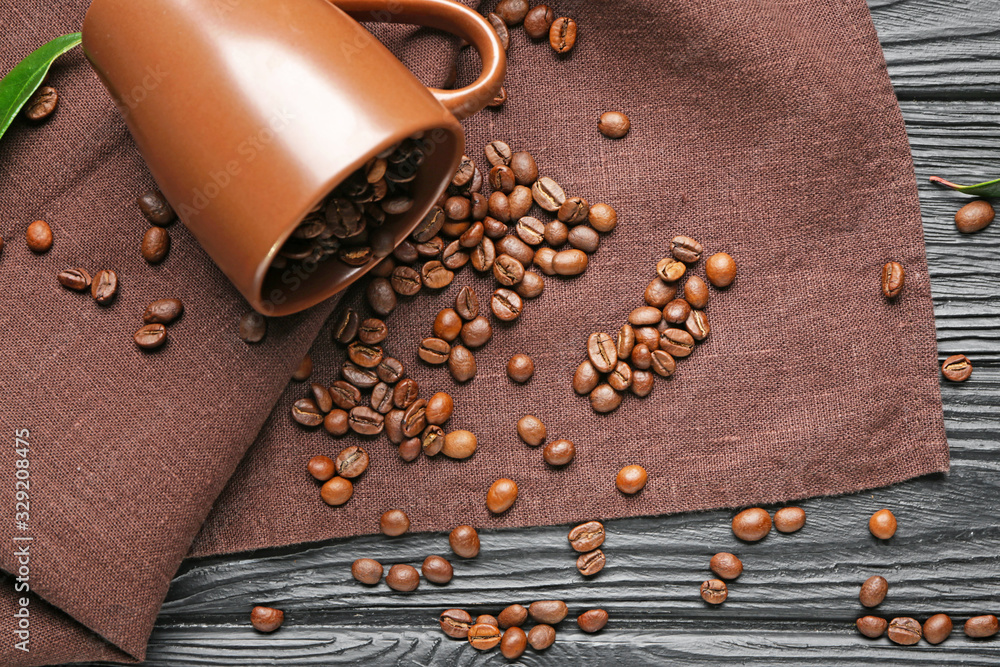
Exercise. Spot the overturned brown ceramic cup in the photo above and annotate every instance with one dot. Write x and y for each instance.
(249, 113)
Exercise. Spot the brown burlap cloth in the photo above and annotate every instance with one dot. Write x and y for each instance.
(767, 129)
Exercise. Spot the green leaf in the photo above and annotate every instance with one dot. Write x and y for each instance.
(21, 82)
(985, 189)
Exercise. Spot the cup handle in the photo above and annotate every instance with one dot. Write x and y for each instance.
(454, 18)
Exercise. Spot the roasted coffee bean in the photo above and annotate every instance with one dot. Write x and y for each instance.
(501, 495)
(394, 425)
(150, 336)
(434, 350)
(513, 616)
(641, 357)
(489, 620)
(520, 368)
(697, 325)
(75, 279)
(648, 336)
(893, 277)
(498, 153)
(721, 270)
(586, 378)
(390, 370)
(165, 311)
(670, 270)
(584, 238)
(345, 395)
(406, 281)
(409, 449)
(480, 206)
(493, 228)
(562, 34)
(714, 591)
(502, 178)
(602, 352)
(555, 233)
(461, 364)
(365, 421)
(435, 276)
(872, 626)
(559, 452)
(362, 378)
(642, 383)
(573, 211)
(531, 430)
(524, 168)
(587, 536)
(530, 230)
(365, 356)
(41, 104)
(513, 643)
(305, 412)
(631, 479)
(543, 259)
(403, 578)
(499, 207)
(484, 636)
(303, 372)
(604, 398)
(433, 248)
(456, 209)
(455, 623)
(937, 628)
(351, 462)
(415, 418)
(620, 378)
(372, 331)
(512, 11)
(454, 257)
(591, 563)
(321, 397)
(104, 287)
(974, 216)
(979, 627)
(506, 305)
(384, 268)
(602, 217)
(336, 491)
(467, 303)
(507, 270)
(394, 523)
(396, 205)
(473, 236)
(406, 252)
(500, 28)
(464, 541)
(882, 524)
(625, 341)
(686, 249)
(548, 194)
(463, 175)
(531, 286)
(520, 201)
(550, 612)
(483, 256)
(696, 292)
(432, 440)
(345, 326)
(476, 333)
(437, 570)
(569, 262)
(726, 565)
(460, 444)
(367, 571)
(538, 20)
(592, 620)
(447, 324)
(645, 316)
(155, 244)
(380, 295)
(752, 525)
(658, 293)
(381, 398)
(678, 342)
(336, 423)
(156, 209)
(613, 124)
(677, 311)
(957, 368)
(516, 248)
(356, 256)
(541, 637)
(905, 630)
(266, 619)
(439, 408)
(789, 519)
(39, 236)
(873, 591)
(662, 363)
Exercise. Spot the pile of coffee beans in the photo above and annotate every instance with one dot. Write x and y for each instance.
(667, 328)
(539, 22)
(906, 630)
(485, 632)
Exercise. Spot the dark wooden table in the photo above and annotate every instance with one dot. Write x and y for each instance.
(797, 601)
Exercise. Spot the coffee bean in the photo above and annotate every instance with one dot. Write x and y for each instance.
(544, 258)
(512, 11)
(873, 591)
(405, 281)
(937, 628)
(455, 623)
(406, 252)
(530, 230)
(435, 276)
(555, 233)
(957, 368)
(365, 421)
(513, 616)
(507, 270)
(501, 495)
(439, 408)
(882, 524)
(871, 626)
(266, 619)
(584, 238)
(394, 523)
(625, 341)
(538, 20)
(165, 311)
(670, 270)
(602, 217)
(381, 398)
(321, 397)
(696, 292)
(447, 324)
(678, 342)
(345, 326)
(409, 450)
(156, 209)
(502, 178)
(658, 293)
(41, 104)
(531, 430)
(372, 331)
(531, 286)
(524, 167)
(573, 211)
(726, 565)
(548, 194)
(974, 216)
(979, 627)
(506, 305)
(562, 34)
(604, 398)
(344, 395)
(367, 571)
(477, 332)
(613, 124)
(463, 175)
(461, 364)
(592, 620)
(645, 316)
(464, 541)
(677, 311)
(351, 462)
(662, 363)
(362, 378)
(390, 370)
(520, 368)
(432, 440)
(516, 248)
(365, 356)
(104, 287)
(337, 491)
(498, 153)
(586, 378)
(381, 296)
(493, 228)
(434, 350)
(720, 269)
(686, 249)
(591, 563)
(714, 591)
(513, 643)
(789, 519)
(150, 336)
(520, 201)
(631, 479)
(384, 268)
(39, 236)
(569, 262)
(483, 256)
(75, 279)
(905, 630)
(587, 536)
(305, 412)
(415, 418)
(473, 236)
(453, 257)
(893, 277)
(480, 206)
(620, 378)
(697, 325)
(429, 226)
(602, 352)
(355, 255)
(484, 636)
(489, 620)
(642, 383)
(752, 525)
(252, 326)
(499, 207)
(336, 423)
(437, 570)
(403, 578)
(551, 612)
(500, 28)
(155, 244)
(559, 452)
(641, 357)
(648, 336)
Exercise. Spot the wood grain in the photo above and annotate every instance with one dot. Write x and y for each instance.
(797, 600)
